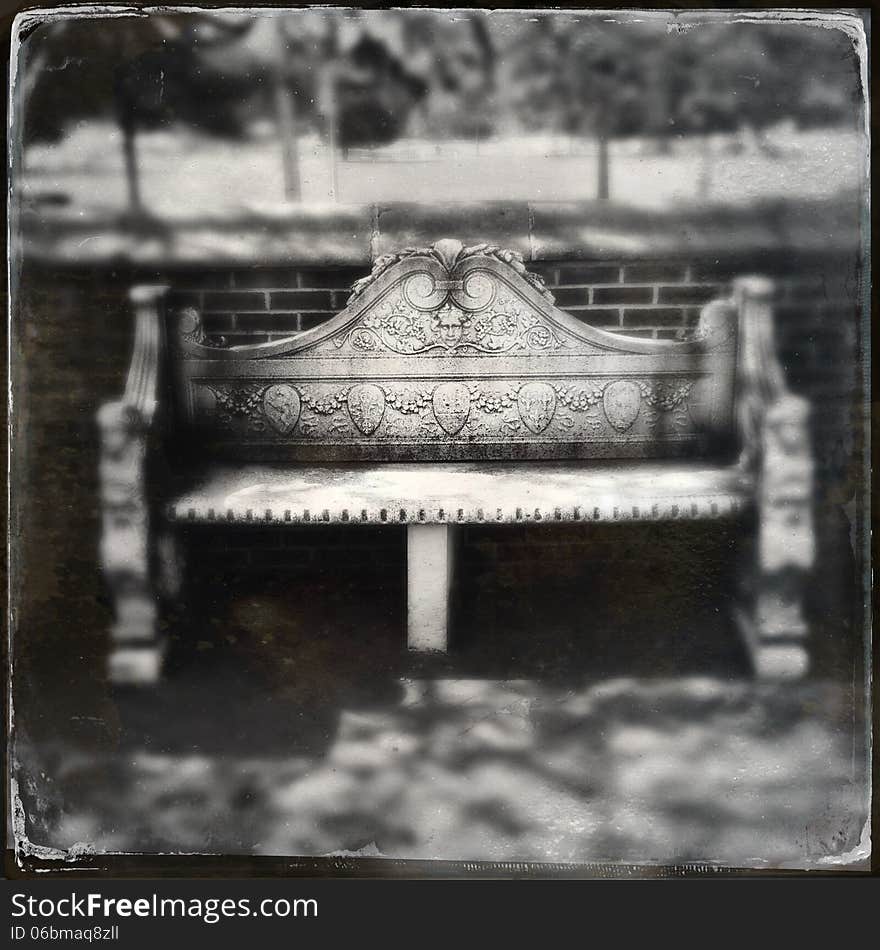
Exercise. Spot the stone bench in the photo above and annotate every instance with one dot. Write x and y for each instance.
(452, 391)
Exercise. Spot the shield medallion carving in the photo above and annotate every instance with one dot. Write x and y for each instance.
(366, 406)
(281, 406)
(536, 403)
(622, 401)
(452, 405)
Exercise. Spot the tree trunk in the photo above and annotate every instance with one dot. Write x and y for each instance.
(285, 109)
(602, 170)
(132, 174)
(329, 103)
(332, 120)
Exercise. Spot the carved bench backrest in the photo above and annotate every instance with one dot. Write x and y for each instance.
(450, 352)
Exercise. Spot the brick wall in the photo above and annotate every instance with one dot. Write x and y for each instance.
(71, 353)
(659, 300)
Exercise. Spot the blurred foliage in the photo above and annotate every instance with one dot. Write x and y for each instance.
(396, 72)
(376, 94)
(142, 71)
(642, 78)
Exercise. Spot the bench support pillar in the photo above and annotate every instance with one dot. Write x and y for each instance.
(136, 652)
(774, 430)
(774, 626)
(126, 547)
(430, 554)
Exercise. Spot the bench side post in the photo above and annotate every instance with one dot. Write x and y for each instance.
(430, 558)
(773, 424)
(125, 545)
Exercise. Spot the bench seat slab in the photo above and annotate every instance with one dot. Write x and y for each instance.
(466, 493)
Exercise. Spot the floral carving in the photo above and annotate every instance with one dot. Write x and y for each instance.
(325, 405)
(495, 325)
(239, 402)
(244, 403)
(492, 402)
(361, 339)
(665, 396)
(491, 410)
(402, 325)
(578, 400)
(398, 328)
(409, 402)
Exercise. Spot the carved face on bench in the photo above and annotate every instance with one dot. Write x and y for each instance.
(448, 324)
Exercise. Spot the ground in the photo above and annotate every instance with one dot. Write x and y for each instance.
(310, 731)
(184, 174)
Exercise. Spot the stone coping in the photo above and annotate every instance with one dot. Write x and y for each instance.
(358, 234)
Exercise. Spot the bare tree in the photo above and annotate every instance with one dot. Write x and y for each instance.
(138, 70)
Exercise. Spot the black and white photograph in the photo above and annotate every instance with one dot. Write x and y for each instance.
(439, 439)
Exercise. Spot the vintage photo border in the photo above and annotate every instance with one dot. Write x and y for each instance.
(31, 860)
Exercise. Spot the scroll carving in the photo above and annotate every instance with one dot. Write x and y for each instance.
(190, 328)
(449, 254)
